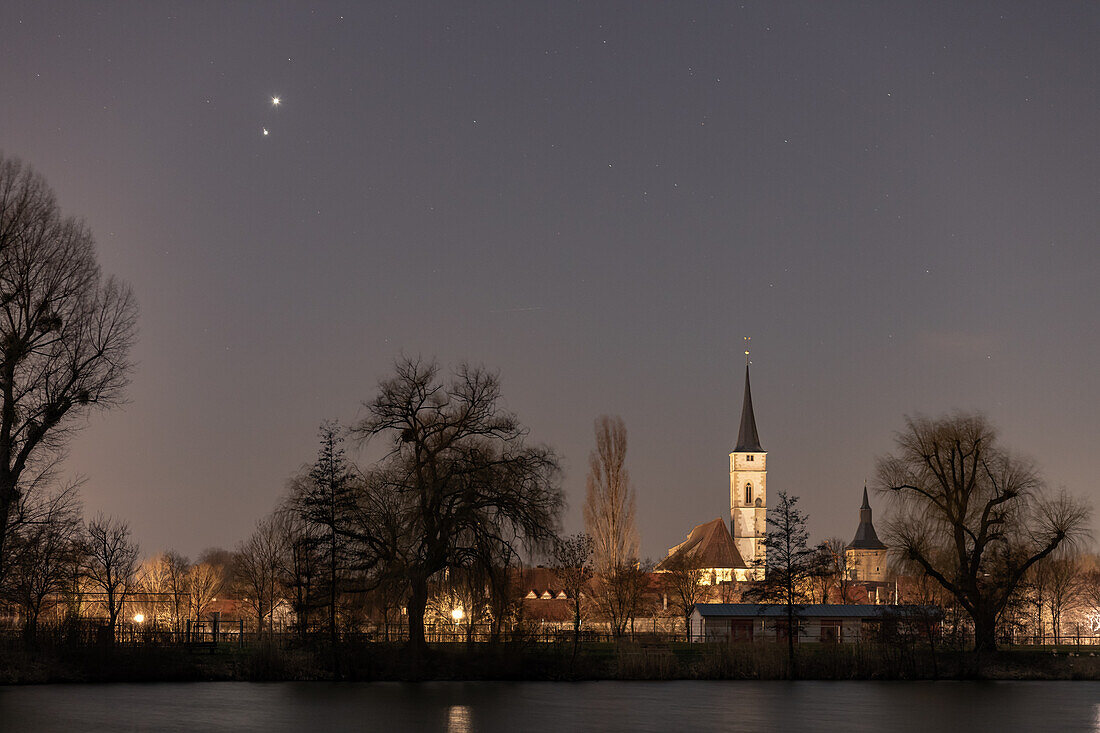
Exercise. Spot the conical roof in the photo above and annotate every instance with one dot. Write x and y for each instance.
(866, 538)
(748, 440)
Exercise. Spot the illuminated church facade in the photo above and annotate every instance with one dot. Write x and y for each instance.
(735, 552)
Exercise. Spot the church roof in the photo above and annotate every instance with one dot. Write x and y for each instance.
(748, 440)
(866, 538)
(707, 546)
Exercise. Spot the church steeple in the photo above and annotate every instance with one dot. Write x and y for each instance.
(866, 538)
(749, 487)
(748, 440)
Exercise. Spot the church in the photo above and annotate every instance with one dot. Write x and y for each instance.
(734, 552)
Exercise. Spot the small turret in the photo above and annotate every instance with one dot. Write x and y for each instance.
(866, 538)
(865, 555)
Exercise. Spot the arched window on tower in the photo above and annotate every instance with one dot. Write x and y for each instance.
(748, 494)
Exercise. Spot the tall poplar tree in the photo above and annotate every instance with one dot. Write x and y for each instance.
(609, 504)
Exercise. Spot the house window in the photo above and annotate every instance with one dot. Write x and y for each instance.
(750, 458)
(748, 493)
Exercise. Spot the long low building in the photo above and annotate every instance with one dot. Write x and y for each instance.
(815, 622)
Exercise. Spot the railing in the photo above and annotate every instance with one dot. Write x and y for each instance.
(205, 634)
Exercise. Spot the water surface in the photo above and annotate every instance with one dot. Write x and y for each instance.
(483, 707)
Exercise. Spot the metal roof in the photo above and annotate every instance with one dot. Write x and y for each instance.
(748, 440)
(830, 610)
(866, 538)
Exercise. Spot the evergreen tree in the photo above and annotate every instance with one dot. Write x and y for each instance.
(791, 563)
(325, 498)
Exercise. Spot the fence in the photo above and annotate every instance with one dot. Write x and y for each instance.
(212, 633)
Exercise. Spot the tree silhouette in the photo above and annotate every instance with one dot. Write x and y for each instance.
(65, 333)
(458, 487)
(971, 514)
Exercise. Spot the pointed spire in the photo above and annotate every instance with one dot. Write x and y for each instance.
(748, 440)
(866, 538)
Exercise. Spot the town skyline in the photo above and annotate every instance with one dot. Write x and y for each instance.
(600, 204)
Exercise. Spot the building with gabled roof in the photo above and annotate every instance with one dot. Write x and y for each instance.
(709, 547)
(814, 622)
(736, 552)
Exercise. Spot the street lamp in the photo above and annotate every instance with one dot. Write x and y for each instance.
(139, 618)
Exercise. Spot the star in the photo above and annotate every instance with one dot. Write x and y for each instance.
(265, 132)
(275, 101)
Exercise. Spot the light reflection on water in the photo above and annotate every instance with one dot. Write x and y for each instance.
(458, 719)
(492, 707)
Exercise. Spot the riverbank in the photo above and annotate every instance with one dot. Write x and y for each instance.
(580, 707)
(533, 662)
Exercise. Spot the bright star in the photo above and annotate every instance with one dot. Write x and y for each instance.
(275, 101)
(265, 132)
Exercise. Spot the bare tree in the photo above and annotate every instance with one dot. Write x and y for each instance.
(458, 485)
(488, 571)
(621, 594)
(300, 563)
(178, 570)
(1063, 580)
(1090, 595)
(111, 564)
(204, 583)
(929, 603)
(972, 515)
(255, 571)
(65, 331)
(163, 583)
(43, 551)
(790, 565)
(149, 588)
(572, 564)
(684, 584)
(832, 571)
(820, 580)
(609, 500)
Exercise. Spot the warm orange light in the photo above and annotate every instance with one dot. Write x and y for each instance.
(457, 614)
(139, 618)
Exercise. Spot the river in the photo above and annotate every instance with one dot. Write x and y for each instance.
(481, 707)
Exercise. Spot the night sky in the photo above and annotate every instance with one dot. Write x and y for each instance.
(897, 202)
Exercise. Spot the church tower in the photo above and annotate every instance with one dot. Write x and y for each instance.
(865, 556)
(748, 489)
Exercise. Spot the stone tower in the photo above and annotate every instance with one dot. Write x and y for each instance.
(865, 556)
(749, 489)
